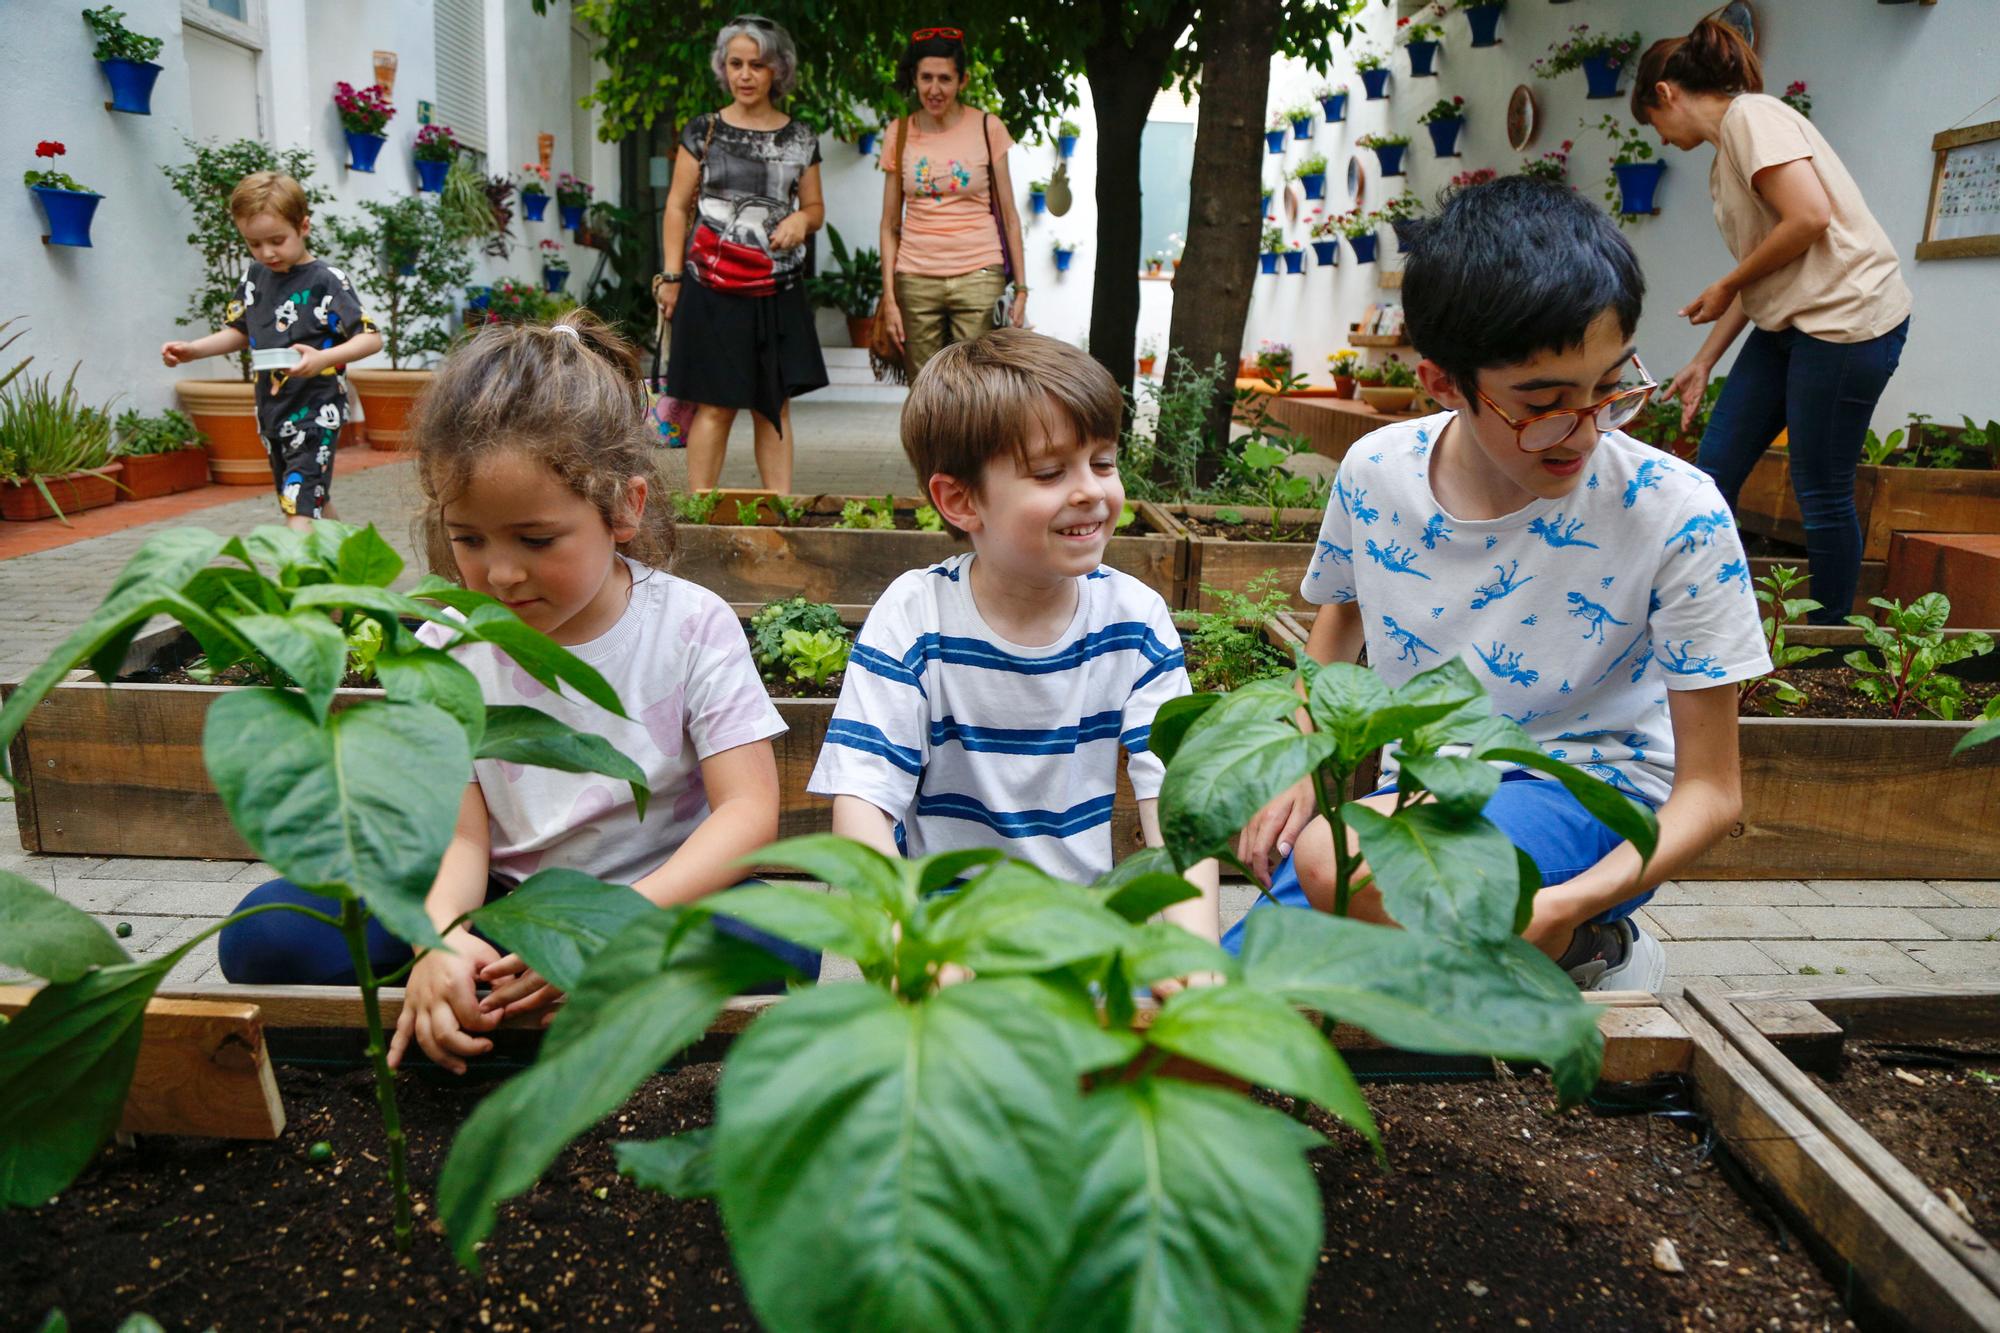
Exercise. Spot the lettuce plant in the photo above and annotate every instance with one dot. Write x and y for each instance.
(357, 803)
(816, 657)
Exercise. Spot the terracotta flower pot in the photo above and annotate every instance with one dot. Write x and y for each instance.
(1145, 365)
(93, 489)
(1387, 398)
(861, 330)
(386, 399)
(226, 412)
(1343, 386)
(149, 476)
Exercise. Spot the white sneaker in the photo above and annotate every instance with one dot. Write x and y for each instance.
(1627, 958)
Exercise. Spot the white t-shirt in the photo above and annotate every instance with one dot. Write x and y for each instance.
(971, 741)
(681, 666)
(1578, 614)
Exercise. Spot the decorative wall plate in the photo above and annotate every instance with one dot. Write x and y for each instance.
(1521, 117)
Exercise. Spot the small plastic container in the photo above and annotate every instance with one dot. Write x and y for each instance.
(273, 358)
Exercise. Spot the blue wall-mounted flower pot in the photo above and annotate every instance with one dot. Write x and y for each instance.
(362, 150)
(1327, 253)
(430, 176)
(69, 213)
(1334, 108)
(554, 278)
(479, 298)
(1065, 144)
(1638, 182)
(1268, 263)
(866, 143)
(1364, 249)
(1295, 261)
(1315, 183)
(1265, 210)
(1444, 135)
(1390, 155)
(1423, 57)
(1375, 82)
(1275, 140)
(1602, 74)
(1302, 129)
(131, 85)
(1038, 202)
(572, 216)
(1484, 20)
(1062, 260)
(533, 206)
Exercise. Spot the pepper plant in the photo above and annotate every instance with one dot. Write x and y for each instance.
(1774, 591)
(357, 803)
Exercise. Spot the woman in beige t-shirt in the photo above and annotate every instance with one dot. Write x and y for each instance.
(1816, 275)
(942, 249)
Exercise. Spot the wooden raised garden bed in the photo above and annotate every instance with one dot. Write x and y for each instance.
(760, 562)
(1888, 500)
(1229, 556)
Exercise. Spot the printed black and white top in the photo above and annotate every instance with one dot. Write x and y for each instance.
(749, 184)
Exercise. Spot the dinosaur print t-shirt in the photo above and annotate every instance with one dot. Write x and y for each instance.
(1578, 614)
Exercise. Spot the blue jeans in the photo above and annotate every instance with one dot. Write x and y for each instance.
(287, 949)
(1538, 815)
(1824, 393)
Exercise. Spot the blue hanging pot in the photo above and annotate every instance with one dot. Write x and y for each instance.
(1375, 82)
(1038, 202)
(430, 176)
(1327, 253)
(1268, 263)
(1302, 129)
(1390, 155)
(1265, 210)
(131, 85)
(866, 143)
(362, 150)
(1275, 141)
(1422, 54)
(1638, 182)
(1484, 20)
(572, 216)
(1315, 183)
(1334, 108)
(479, 298)
(1364, 248)
(1602, 74)
(1295, 261)
(69, 213)
(1065, 144)
(1444, 135)
(1062, 260)
(533, 206)
(553, 279)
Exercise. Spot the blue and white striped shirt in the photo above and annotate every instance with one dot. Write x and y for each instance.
(968, 740)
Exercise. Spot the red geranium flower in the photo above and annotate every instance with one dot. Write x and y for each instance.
(49, 148)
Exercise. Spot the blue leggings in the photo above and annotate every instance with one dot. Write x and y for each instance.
(1824, 394)
(287, 949)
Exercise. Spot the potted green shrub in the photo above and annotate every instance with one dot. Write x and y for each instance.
(1311, 174)
(1388, 388)
(162, 455)
(1444, 121)
(1274, 134)
(409, 272)
(1038, 196)
(433, 152)
(1602, 56)
(68, 205)
(534, 191)
(1269, 247)
(572, 197)
(1066, 136)
(1359, 229)
(1373, 66)
(1389, 150)
(1301, 118)
(127, 59)
(1420, 37)
(854, 287)
(1634, 181)
(1149, 354)
(55, 450)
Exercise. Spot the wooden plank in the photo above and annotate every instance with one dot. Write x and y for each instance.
(1967, 1247)
(1230, 563)
(1964, 566)
(1333, 424)
(1809, 1039)
(1932, 1011)
(1929, 500)
(1642, 1043)
(1903, 1265)
(1873, 578)
(202, 1069)
(27, 818)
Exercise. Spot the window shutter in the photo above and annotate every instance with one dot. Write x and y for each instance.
(460, 27)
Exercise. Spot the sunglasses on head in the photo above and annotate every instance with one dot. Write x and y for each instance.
(948, 34)
(752, 21)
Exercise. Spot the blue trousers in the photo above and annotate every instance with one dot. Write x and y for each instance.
(286, 949)
(1824, 394)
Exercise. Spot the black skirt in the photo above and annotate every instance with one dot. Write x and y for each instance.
(743, 351)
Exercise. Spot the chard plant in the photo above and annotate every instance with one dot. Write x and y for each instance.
(1773, 693)
(1912, 651)
(357, 803)
(1019, 1151)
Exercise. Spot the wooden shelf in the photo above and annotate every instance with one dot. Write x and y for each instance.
(1377, 340)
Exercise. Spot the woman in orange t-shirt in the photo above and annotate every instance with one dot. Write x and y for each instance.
(949, 228)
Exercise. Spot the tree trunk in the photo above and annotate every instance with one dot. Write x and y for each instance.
(1219, 264)
(1123, 81)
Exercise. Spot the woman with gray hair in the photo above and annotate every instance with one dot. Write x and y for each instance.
(745, 196)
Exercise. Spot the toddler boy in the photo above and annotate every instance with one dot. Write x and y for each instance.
(290, 300)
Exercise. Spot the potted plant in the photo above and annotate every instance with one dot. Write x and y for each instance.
(1796, 97)
(1270, 246)
(1038, 196)
(1635, 174)
(1388, 388)
(1264, 205)
(534, 191)
(1064, 251)
(162, 455)
(1482, 17)
(409, 273)
(1295, 258)
(68, 205)
(1325, 234)
(1301, 118)
(865, 144)
(854, 287)
(1344, 364)
(127, 59)
(1419, 34)
(364, 115)
(1274, 134)
(1066, 134)
(1155, 263)
(434, 150)
(1332, 98)
(1600, 55)
(555, 266)
(1398, 212)
(1311, 173)
(55, 451)
(1389, 150)
(1444, 121)
(225, 410)
(1359, 229)
(1149, 353)
(572, 197)
(1176, 246)
(1373, 68)
(1550, 166)
(1465, 180)
(1274, 359)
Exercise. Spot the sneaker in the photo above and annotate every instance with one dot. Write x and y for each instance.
(1616, 955)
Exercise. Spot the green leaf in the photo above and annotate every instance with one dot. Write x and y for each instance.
(556, 919)
(1461, 786)
(1198, 1210)
(938, 872)
(1224, 775)
(366, 558)
(1440, 873)
(1982, 734)
(364, 805)
(517, 734)
(831, 922)
(1138, 899)
(43, 935)
(1424, 993)
(847, 864)
(540, 656)
(1171, 723)
(1531, 884)
(1014, 918)
(1259, 1037)
(428, 676)
(309, 648)
(1631, 820)
(933, 1163)
(1343, 700)
(680, 1165)
(1161, 949)
(635, 1007)
(368, 598)
(65, 1063)
(140, 1323)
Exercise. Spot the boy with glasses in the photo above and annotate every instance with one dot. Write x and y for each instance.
(1595, 585)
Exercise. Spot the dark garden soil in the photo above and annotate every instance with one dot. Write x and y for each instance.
(1830, 692)
(780, 685)
(1255, 527)
(1495, 1214)
(1941, 1124)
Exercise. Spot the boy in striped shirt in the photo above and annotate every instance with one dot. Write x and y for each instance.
(988, 695)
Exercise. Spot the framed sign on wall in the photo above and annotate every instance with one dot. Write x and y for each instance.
(1963, 219)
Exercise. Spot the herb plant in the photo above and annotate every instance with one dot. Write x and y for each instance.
(696, 506)
(1226, 647)
(409, 268)
(1912, 648)
(115, 41)
(876, 514)
(166, 433)
(357, 803)
(1773, 693)
(774, 620)
(1166, 463)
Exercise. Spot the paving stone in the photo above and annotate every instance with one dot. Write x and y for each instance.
(98, 895)
(252, 874)
(1962, 923)
(1878, 893)
(146, 930)
(1652, 927)
(1799, 982)
(1969, 892)
(1876, 958)
(1725, 923)
(163, 868)
(1735, 893)
(1695, 958)
(1862, 923)
(1959, 957)
(196, 964)
(35, 869)
(186, 899)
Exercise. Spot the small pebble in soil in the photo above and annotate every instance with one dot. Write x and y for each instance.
(124, 930)
(320, 1152)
